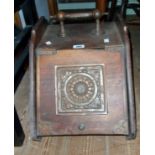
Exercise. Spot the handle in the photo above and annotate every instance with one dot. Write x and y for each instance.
(61, 16)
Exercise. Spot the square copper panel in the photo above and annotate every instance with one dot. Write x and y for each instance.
(80, 90)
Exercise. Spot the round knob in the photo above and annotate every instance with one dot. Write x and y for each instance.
(81, 126)
(96, 14)
(61, 16)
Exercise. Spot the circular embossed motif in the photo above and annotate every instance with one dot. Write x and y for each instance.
(80, 89)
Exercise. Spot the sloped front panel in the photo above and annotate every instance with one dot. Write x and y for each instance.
(81, 92)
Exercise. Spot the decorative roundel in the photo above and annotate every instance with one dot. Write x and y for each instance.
(80, 89)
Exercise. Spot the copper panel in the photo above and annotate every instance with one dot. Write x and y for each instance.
(80, 89)
(111, 115)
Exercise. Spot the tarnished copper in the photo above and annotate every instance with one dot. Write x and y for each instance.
(80, 89)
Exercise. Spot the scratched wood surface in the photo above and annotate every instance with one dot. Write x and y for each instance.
(79, 145)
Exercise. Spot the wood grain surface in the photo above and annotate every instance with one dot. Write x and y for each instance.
(78, 145)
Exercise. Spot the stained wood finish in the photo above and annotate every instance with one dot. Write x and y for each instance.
(45, 120)
(50, 124)
(53, 7)
(77, 34)
(129, 74)
(101, 5)
(80, 145)
(37, 32)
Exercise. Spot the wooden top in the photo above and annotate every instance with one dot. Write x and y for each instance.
(80, 34)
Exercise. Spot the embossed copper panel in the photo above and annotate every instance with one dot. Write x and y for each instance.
(80, 89)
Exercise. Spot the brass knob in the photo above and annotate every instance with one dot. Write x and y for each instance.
(97, 16)
(61, 17)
